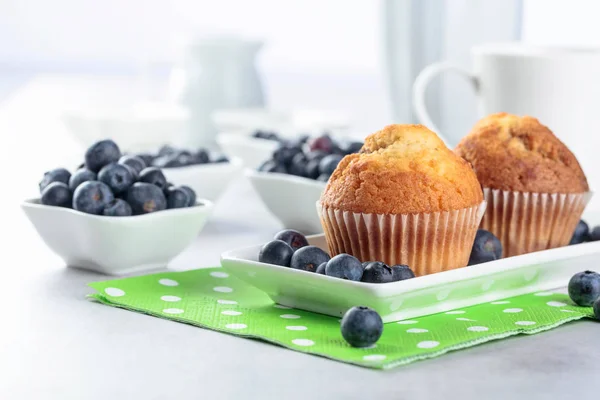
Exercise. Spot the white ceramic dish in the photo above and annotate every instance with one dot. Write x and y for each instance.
(291, 199)
(431, 294)
(209, 181)
(140, 127)
(117, 245)
(252, 151)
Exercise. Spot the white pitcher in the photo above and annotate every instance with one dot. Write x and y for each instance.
(216, 73)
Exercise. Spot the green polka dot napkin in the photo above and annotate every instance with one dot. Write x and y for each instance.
(212, 299)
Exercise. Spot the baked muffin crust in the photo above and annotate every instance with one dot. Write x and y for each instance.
(520, 154)
(402, 169)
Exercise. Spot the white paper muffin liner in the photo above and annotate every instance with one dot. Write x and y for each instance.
(428, 243)
(526, 222)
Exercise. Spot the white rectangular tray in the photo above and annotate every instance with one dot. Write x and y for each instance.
(431, 294)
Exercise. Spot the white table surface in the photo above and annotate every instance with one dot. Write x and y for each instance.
(55, 344)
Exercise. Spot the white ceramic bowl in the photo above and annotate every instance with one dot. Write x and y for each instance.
(140, 127)
(209, 181)
(291, 199)
(117, 245)
(431, 294)
(252, 151)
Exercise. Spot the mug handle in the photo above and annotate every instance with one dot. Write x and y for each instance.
(420, 86)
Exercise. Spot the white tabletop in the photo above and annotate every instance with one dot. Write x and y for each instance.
(55, 344)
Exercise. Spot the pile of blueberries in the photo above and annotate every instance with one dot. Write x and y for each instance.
(171, 157)
(290, 249)
(109, 183)
(314, 158)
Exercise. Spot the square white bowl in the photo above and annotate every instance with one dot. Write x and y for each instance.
(117, 245)
(431, 294)
(137, 127)
(291, 199)
(209, 181)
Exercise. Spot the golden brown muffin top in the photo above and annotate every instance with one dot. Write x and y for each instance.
(520, 154)
(402, 169)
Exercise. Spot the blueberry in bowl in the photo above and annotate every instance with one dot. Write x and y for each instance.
(117, 177)
(92, 197)
(61, 175)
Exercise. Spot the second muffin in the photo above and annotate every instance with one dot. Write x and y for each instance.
(535, 188)
(404, 199)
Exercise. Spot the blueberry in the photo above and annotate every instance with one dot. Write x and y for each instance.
(132, 171)
(401, 272)
(166, 150)
(80, 176)
(285, 153)
(177, 198)
(57, 194)
(344, 266)
(134, 162)
(217, 158)
(202, 157)
(581, 233)
(597, 309)
(147, 158)
(272, 166)
(153, 176)
(298, 165)
(276, 252)
(329, 163)
(323, 143)
(351, 147)
(117, 208)
(315, 155)
(191, 195)
(377, 272)
(100, 154)
(308, 258)
(145, 198)
(92, 197)
(594, 234)
(584, 288)
(56, 175)
(118, 177)
(321, 268)
(293, 238)
(486, 247)
(361, 326)
(311, 169)
(323, 178)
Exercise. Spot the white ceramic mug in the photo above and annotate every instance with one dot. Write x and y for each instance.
(559, 86)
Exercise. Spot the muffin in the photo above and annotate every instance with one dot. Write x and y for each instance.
(405, 198)
(535, 189)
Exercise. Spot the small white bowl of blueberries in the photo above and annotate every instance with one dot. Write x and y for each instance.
(291, 180)
(204, 171)
(115, 214)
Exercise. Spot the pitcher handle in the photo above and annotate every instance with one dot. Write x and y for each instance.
(420, 87)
